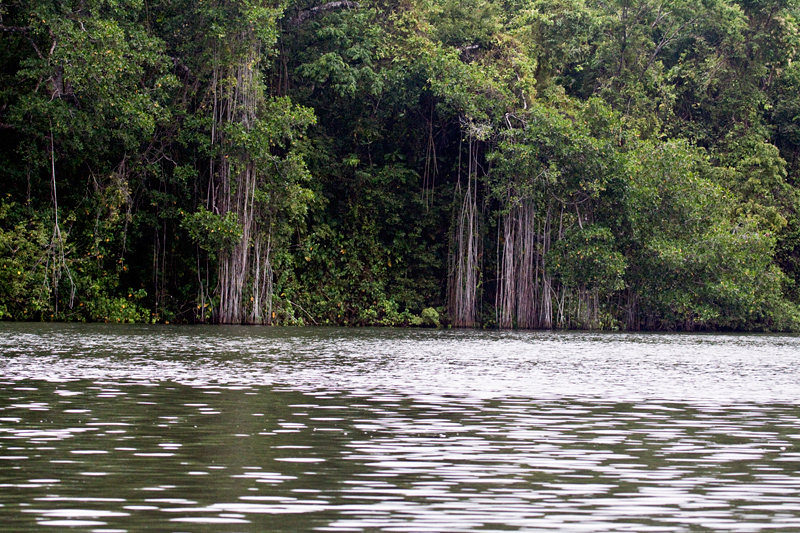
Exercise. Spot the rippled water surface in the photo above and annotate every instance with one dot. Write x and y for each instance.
(209, 429)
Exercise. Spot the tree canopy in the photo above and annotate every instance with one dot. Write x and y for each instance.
(623, 164)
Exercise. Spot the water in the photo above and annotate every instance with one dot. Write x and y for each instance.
(205, 429)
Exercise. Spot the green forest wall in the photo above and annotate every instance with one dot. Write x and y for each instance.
(621, 164)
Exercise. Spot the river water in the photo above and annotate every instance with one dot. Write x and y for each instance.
(112, 429)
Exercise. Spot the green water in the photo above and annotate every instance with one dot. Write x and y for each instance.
(146, 428)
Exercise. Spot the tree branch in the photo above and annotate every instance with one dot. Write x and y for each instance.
(468, 48)
(15, 29)
(22, 29)
(330, 6)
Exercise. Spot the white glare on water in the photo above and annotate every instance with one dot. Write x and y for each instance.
(265, 429)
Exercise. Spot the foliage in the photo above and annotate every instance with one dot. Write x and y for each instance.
(707, 264)
(213, 233)
(588, 258)
(531, 163)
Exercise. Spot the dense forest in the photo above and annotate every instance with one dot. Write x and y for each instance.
(595, 164)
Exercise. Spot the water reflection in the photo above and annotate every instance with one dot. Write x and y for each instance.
(241, 429)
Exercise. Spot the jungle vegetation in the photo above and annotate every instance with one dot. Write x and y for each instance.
(593, 164)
